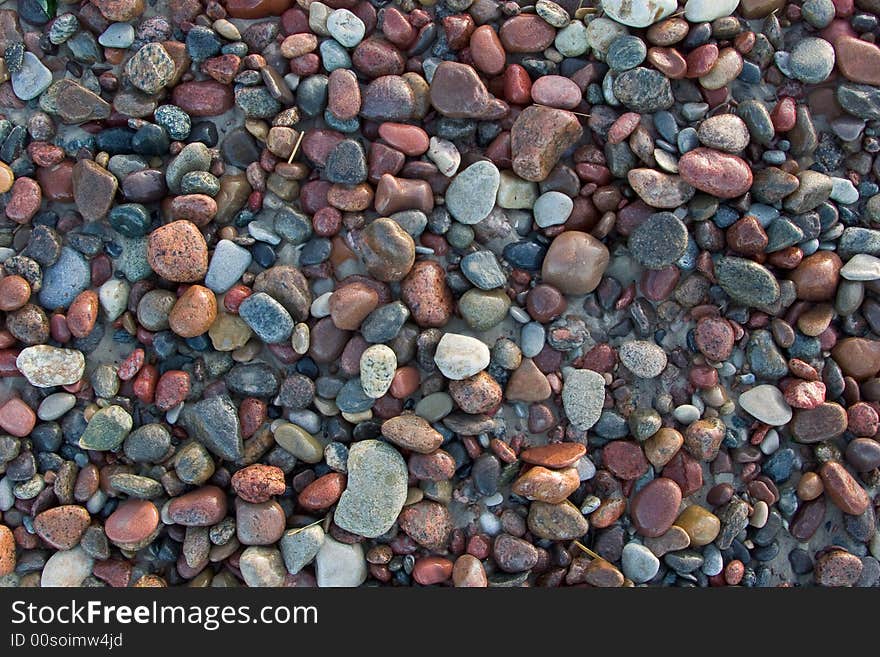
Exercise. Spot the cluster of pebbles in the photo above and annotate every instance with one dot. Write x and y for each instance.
(448, 292)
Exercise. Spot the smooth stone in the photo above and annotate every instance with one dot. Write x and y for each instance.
(45, 366)
(299, 547)
(32, 79)
(659, 241)
(638, 14)
(639, 563)
(747, 281)
(552, 209)
(461, 356)
(766, 404)
(812, 60)
(262, 567)
(65, 280)
(705, 11)
(376, 490)
(267, 318)
(340, 565)
(227, 265)
(66, 568)
(470, 196)
(377, 367)
(213, 421)
(644, 359)
(861, 267)
(106, 429)
(575, 263)
(660, 190)
(583, 397)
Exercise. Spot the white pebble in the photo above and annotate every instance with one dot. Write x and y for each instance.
(493, 500)
(445, 155)
(861, 267)
(705, 11)
(346, 28)
(490, 523)
(843, 191)
(113, 296)
(321, 305)
(686, 413)
(66, 568)
(770, 443)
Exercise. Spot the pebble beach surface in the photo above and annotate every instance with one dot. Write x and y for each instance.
(442, 293)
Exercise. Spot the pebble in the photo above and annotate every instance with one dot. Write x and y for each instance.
(766, 404)
(377, 366)
(861, 267)
(178, 252)
(655, 507)
(267, 318)
(639, 563)
(340, 565)
(812, 60)
(66, 568)
(45, 366)
(583, 397)
(575, 263)
(461, 356)
(644, 359)
(641, 14)
(704, 11)
(552, 209)
(228, 262)
(471, 195)
(716, 173)
(64, 280)
(659, 241)
(31, 79)
(376, 490)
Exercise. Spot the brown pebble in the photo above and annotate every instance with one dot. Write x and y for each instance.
(178, 252)
(62, 526)
(194, 312)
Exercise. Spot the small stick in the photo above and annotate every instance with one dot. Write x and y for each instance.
(572, 111)
(296, 147)
(299, 529)
(587, 550)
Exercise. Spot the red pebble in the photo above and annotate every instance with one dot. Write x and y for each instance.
(733, 572)
(252, 414)
(131, 365)
(863, 420)
(171, 389)
(233, 298)
(145, 384)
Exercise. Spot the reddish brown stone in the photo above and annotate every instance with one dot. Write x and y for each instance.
(203, 98)
(654, 508)
(816, 277)
(714, 337)
(624, 459)
(544, 485)
(426, 294)
(178, 252)
(133, 522)
(843, 490)
(258, 483)
(526, 33)
(556, 455)
(322, 493)
(432, 570)
(62, 526)
(202, 507)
